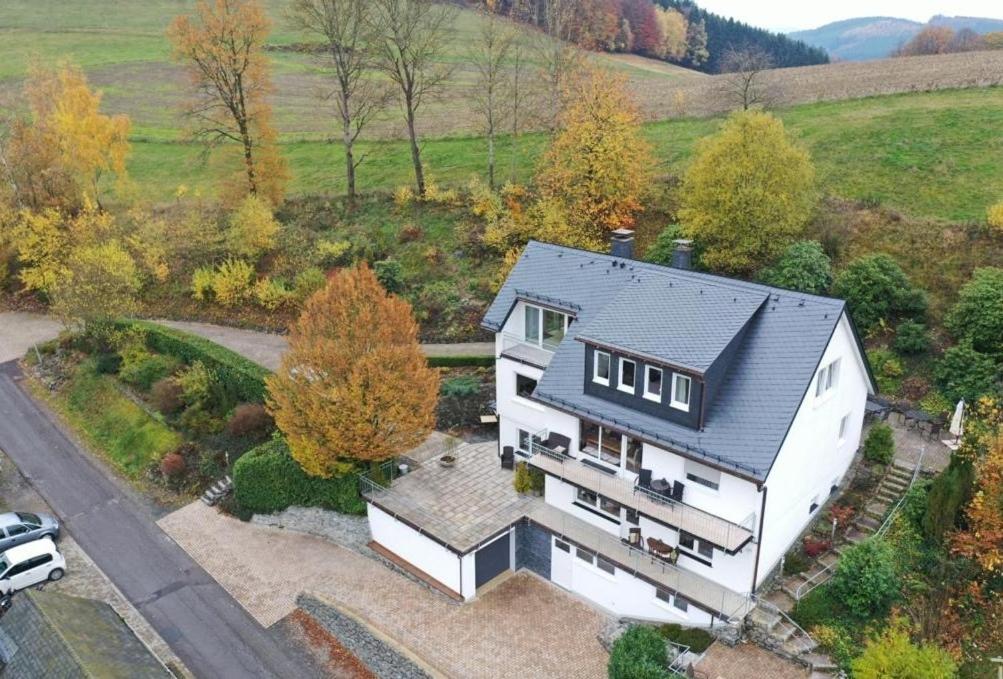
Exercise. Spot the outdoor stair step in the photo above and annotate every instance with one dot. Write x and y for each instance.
(854, 536)
(764, 619)
(868, 524)
(841, 547)
(782, 599)
(828, 559)
(876, 510)
(821, 663)
(783, 632)
(888, 496)
(894, 485)
(799, 645)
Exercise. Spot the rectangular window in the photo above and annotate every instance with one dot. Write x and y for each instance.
(681, 603)
(703, 476)
(633, 517)
(663, 595)
(587, 497)
(524, 386)
(842, 427)
(686, 540)
(587, 557)
(554, 324)
(609, 506)
(601, 368)
(681, 392)
(813, 506)
(828, 378)
(605, 565)
(634, 454)
(707, 483)
(532, 320)
(525, 441)
(601, 443)
(652, 383)
(705, 549)
(561, 545)
(627, 370)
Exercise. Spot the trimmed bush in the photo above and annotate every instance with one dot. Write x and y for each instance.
(389, 274)
(460, 361)
(463, 386)
(266, 479)
(639, 653)
(865, 579)
(250, 419)
(879, 446)
(244, 378)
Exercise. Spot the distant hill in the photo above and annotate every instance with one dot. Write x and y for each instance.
(876, 37)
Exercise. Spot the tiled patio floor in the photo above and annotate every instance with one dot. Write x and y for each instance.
(746, 661)
(522, 627)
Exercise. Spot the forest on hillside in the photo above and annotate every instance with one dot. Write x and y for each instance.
(676, 31)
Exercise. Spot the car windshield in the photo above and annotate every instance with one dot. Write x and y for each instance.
(30, 519)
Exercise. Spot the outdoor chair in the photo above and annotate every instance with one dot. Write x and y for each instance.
(508, 458)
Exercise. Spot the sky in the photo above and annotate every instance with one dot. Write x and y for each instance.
(784, 15)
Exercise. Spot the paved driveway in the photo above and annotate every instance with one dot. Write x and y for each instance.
(208, 630)
(522, 627)
(19, 331)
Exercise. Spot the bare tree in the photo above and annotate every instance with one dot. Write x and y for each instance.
(497, 39)
(351, 33)
(559, 58)
(742, 82)
(517, 99)
(414, 36)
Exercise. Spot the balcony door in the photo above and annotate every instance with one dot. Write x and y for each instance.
(545, 327)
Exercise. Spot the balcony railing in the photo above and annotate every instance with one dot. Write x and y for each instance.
(527, 351)
(713, 528)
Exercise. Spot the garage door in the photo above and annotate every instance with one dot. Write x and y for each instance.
(492, 560)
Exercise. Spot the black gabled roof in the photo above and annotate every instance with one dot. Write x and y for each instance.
(631, 304)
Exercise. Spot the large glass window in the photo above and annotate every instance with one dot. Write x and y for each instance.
(634, 451)
(554, 324)
(601, 443)
(533, 324)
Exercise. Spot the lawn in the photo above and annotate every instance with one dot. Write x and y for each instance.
(131, 439)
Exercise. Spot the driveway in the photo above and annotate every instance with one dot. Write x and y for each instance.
(207, 629)
(522, 627)
(20, 330)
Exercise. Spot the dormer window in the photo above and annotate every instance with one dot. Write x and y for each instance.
(652, 383)
(628, 375)
(545, 327)
(681, 392)
(601, 369)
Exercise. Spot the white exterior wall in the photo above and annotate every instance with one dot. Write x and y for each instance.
(622, 593)
(733, 571)
(420, 551)
(812, 458)
(563, 496)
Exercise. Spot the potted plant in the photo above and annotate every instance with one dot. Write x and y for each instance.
(448, 458)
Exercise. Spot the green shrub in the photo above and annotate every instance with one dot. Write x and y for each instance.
(388, 273)
(803, 267)
(461, 387)
(865, 580)
(911, 337)
(819, 607)
(978, 314)
(877, 292)
(460, 361)
(661, 251)
(892, 654)
(639, 653)
(936, 404)
(837, 642)
(200, 422)
(308, 282)
(266, 479)
(796, 562)
(143, 370)
(107, 363)
(244, 378)
(964, 373)
(949, 493)
(202, 280)
(167, 396)
(334, 253)
(196, 383)
(521, 480)
(887, 369)
(879, 446)
(697, 639)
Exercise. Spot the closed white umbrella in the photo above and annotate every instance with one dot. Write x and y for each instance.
(958, 421)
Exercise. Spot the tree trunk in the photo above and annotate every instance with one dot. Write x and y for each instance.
(349, 161)
(419, 174)
(491, 159)
(252, 186)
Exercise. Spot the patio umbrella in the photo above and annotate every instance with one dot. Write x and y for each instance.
(957, 422)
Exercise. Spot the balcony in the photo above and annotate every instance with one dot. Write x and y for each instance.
(531, 352)
(720, 531)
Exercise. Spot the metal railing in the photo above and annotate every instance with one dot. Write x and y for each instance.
(773, 608)
(520, 348)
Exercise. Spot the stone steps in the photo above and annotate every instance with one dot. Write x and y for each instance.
(821, 665)
(799, 645)
(217, 491)
(868, 524)
(876, 510)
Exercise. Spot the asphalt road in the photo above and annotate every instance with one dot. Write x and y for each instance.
(208, 630)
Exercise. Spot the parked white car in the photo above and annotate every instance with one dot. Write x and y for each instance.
(29, 564)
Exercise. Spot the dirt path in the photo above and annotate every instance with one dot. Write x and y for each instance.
(20, 330)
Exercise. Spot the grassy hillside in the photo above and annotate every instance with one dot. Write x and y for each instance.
(936, 154)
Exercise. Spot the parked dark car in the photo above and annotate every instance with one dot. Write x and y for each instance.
(17, 528)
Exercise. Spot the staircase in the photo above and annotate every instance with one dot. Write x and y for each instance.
(773, 629)
(217, 491)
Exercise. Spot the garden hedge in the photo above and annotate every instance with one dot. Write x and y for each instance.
(267, 479)
(460, 361)
(244, 378)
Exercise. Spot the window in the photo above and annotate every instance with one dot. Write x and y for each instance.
(633, 517)
(596, 501)
(691, 543)
(705, 549)
(561, 545)
(30, 519)
(814, 505)
(663, 595)
(686, 540)
(532, 324)
(843, 426)
(525, 441)
(634, 453)
(524, 386)
(605, 565)
(587, 497)
(16, 529)
(587, 557)
(627, 375)
(828, 378)
(554, 325)
(609, 506)
(601, 443)
(681, 392)
(681, 603)
(703, 476)
(601, 368)
(652, 383)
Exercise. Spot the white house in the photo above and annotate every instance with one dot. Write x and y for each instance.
(689, 427)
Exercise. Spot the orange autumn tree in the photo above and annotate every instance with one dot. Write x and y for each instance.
(354, 385)
(982, 538)
(222, 47)
(598, 165)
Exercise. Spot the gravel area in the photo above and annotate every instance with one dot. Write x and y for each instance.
(382, 660)
(351, 532)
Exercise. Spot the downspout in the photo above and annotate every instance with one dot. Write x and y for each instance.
(759, 540)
